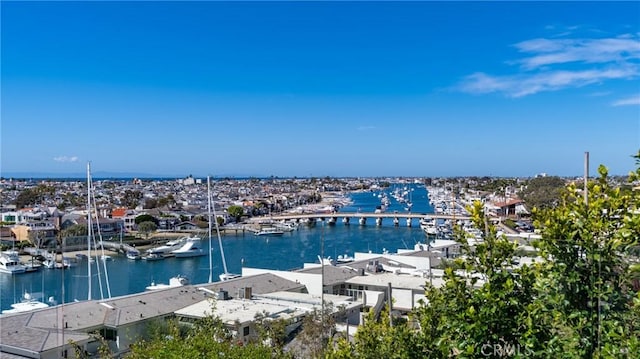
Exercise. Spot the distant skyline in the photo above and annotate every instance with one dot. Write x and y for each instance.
(315, 89)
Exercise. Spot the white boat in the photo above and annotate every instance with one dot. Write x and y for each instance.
(228, 276)
(69, 261)
(176, 281)
(32, 265)
(106, 257)
(428, 225)
(345, 259)
(152, 257)
(269, 231)
(133, 255)
(27, 304)
(192, 247)
(168, 247)
(10, 263)
(49, 263)
(286, 226)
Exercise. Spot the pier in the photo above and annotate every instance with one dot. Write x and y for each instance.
(118, 247)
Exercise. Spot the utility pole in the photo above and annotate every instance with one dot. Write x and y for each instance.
(322, 319)
(596, 243)
(390, 305)
(586, 178)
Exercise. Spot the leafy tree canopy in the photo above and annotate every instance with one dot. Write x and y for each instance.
(147, 228)
(236, 212)
(207, 338)
(543, 192)
(145, 218)
(579, 299)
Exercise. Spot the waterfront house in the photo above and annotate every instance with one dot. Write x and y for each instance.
(127, 216)
(35, 232)
(187, 226)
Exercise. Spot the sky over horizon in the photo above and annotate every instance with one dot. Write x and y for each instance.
(319, 88)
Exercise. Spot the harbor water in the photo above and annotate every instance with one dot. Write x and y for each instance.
(286, 252)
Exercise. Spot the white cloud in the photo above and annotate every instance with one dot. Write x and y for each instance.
(629, 101)
(582, 61)
(560, 51)
(523, 84)
(66, 158)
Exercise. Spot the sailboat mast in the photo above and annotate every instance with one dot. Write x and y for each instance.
(209, 213)
(89, 228)
(224, 261)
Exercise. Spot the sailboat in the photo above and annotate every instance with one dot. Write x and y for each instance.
(211, 207)
(29, 302)
(90, 238)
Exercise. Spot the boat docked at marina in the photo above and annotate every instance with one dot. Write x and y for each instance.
(29, 302)
(10, 263)
(286, 226)
(152, 257)
(192, 247)
(52, 263)
(133, 255)
(176, 281)
(166, 249)
(269, 231)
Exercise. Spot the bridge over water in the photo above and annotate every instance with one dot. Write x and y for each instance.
(361, 216)
(118, 247)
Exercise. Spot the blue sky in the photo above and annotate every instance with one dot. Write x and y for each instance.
(319, 88)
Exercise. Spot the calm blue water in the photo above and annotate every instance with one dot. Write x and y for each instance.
(284, 253)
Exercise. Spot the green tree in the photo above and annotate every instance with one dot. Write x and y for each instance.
(481, 301)
(145, 218)
(577, 301)
(35, 195)
(207, 339)
(272, 332)
(377, 338)
(318, 327)
(236, 212)
(543, 192)
(587, 276)
(146, 228)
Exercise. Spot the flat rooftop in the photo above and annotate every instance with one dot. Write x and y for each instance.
(277, 305)
(404, 281)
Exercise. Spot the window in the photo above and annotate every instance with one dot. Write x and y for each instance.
(245, 331)
(109, 334)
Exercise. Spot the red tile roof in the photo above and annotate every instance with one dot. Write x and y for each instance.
(119, 212)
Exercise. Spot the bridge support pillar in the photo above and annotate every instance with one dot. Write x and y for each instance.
(332, 220)
(345, 220)
(378, 221)
(409, 222)
(363, 221)
(396, 221)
